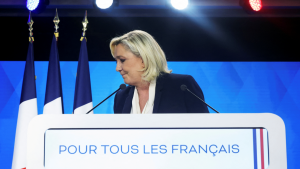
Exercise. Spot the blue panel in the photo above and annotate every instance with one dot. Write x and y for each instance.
(41, 69)
(105, 80)
(6, 90)
(235, 87)
(7, 131)
(68, 79)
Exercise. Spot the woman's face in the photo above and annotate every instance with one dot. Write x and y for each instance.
(129, 65)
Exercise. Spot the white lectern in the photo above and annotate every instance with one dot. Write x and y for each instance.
(158, 141)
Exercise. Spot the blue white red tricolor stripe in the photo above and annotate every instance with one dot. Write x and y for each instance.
(27, 111)
(53, 97)
(260, 149)
(83, 93)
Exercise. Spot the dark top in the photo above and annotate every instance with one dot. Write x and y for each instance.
(169, 98)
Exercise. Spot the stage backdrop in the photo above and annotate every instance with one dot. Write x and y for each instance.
(230, 87)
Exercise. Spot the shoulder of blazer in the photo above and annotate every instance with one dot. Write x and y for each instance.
(173, 78)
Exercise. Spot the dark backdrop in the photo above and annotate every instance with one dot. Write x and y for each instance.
(182, 38)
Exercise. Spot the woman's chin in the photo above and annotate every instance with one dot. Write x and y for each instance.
(126, 81)
(129, 83)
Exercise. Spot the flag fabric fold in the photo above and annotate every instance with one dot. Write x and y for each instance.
(83, 93)
(53, 97)
(27, 111)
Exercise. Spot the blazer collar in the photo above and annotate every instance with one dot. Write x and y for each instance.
(128, 101)
(158, 91)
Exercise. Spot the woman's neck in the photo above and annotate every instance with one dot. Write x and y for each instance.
(143, 86)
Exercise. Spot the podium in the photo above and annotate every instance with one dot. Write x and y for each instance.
(157, 141)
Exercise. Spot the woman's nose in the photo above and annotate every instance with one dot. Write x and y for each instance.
(118, 67)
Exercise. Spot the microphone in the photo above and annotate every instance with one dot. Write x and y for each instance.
(122, 86)
(183, 88)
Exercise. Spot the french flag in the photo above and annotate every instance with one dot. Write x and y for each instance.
(83, 93)
(27, 111)
(53, 97)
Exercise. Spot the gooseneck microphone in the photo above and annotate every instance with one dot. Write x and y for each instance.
(183, 88)
(122, 86)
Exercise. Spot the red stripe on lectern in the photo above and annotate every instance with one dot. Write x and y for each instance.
(262, 148)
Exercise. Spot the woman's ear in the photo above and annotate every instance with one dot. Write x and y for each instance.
(143, 64)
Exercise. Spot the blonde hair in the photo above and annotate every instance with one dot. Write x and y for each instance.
(143, 45)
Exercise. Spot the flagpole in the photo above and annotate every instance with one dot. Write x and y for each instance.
(56, 21)
(27, 107)
(53, 96)
(83, 92)
(30, 23)
(84, 23)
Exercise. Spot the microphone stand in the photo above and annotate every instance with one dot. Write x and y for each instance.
(184, 87)
(122, 86)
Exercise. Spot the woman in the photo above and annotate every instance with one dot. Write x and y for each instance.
(152, 87)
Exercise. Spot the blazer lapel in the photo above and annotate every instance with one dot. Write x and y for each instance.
(158, 91)
(128, 101)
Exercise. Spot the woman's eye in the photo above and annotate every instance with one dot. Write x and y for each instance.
(122, 60)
